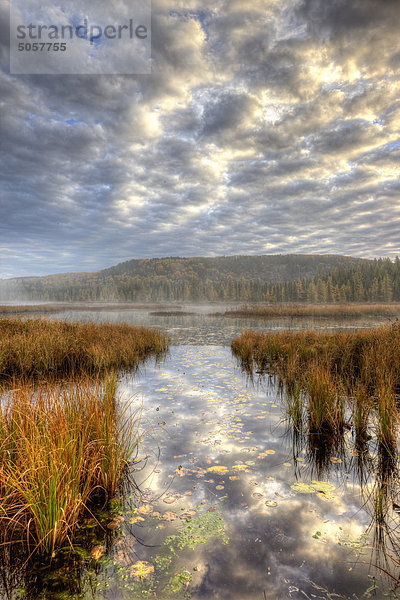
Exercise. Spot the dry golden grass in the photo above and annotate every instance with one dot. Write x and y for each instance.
(62, 451)
(63, 446)
(38, 348)
(361, 368)
(333, 311)
(17, 309)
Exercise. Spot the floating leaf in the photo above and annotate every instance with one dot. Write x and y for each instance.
(322, 486)
(169, 500)
(136, 519)
(303, 488)
(271, 503)
(310, 488)
(326, 497)
(145, 509)
(141, 569)
(170, 516)
(218, 469)
(187, 515)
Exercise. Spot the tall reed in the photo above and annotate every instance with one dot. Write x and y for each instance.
(325, 406)
(362, 367)
(61, 450)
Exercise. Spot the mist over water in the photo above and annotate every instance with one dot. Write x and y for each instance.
(207, 325)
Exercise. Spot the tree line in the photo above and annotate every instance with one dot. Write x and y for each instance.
(353, 281)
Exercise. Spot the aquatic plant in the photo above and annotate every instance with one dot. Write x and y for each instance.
(361, 367)
(294, 401)
(387, 416)
(62, 450)
(38, 348)
(325, 406)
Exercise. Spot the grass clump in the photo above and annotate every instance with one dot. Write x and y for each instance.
(38, 348)
(17, 309)
(326, 406)
(333, 311)
(361, 368)
(63, 450)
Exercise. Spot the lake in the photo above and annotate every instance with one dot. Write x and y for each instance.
(230, 502)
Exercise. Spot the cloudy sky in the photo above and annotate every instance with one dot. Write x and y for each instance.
(267, 126)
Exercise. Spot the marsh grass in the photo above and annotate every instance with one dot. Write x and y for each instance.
(63, 450)
(361, 405)
(38, 348)
(332, 311)
(18, 309)
(360, 370)
(325, 404)
(294, 400)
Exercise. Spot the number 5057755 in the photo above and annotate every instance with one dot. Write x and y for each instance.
(42, 46)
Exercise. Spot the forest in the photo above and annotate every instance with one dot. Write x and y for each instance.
(271, 279)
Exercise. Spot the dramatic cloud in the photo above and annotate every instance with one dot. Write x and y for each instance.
(265, 127)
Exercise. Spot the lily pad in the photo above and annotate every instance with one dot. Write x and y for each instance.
(170, 516)
(303, 488)
(169, 499)
(310, 488)
(218, 469)
(322, 486)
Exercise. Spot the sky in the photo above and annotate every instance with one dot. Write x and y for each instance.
(265, 127)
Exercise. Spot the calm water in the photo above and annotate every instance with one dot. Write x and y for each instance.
(204, 328)
(230, 503)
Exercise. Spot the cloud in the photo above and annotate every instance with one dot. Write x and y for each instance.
(262, 128)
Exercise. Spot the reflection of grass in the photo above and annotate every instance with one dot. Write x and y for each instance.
(40, 348)
(362, 406)
(327, 595)
(294, 400)
(60, 450)
(362, 367)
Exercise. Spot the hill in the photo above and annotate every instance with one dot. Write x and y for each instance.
(230, 278)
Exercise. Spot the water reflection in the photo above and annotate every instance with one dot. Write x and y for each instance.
(200, 327)
(221, 513)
